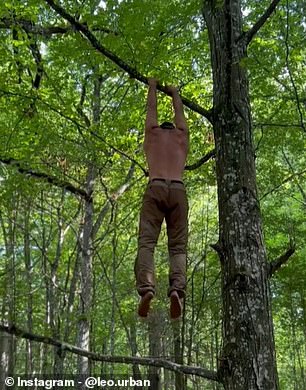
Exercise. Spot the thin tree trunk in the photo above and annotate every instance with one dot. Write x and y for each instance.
(303, 304)
(4, 338)
(133, 338)
(83, 339)
(44, 357)
(155, 331)
(68, 313)
(178, 357)
(296, 359)
(56, 313)
(8, 343)
(293, 342)
(248, 356)
(29, 271)
(113, 288)
(86, 279)
(4, 355)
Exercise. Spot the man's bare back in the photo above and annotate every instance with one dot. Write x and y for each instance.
(166, 149)
(166, 152)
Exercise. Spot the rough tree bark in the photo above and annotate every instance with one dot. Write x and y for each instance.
(248, 358)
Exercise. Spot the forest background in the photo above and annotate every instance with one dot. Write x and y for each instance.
(72, 110)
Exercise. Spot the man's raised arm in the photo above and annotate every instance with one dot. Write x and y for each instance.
(179, 117)
(151, 119)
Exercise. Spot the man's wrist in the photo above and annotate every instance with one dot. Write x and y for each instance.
(171, 90)
(152, 82)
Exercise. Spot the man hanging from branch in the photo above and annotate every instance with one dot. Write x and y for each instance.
(166, 147)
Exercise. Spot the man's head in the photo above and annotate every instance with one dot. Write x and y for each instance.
(167, 125)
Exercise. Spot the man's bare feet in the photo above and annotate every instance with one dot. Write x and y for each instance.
(144, 304)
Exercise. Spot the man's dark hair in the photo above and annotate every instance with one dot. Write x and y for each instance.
(167, 125)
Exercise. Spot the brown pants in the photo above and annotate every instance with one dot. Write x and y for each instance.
(163, 199)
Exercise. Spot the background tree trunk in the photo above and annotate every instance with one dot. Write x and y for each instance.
(86, 276)
(155, 329)
(178, 356)
(8, 342)
(133, 336)
(86, 280)
(248, 356)
(29, 270)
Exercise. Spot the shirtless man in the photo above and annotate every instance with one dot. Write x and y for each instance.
(166, 148)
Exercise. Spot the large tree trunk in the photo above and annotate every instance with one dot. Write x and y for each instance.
(248, 358)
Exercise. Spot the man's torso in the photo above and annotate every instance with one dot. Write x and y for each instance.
(166, 152)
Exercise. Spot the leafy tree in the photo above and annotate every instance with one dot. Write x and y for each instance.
(72, 103)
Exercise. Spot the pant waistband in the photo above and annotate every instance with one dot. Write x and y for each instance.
(166, 180)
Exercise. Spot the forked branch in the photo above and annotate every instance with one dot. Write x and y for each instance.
(248, 36)
(276, 264)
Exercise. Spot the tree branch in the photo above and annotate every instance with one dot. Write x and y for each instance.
(46, 31)
(289, 178)
(202, 160)
(248, 36)
(39, 63)
(156, 362)
(49, 179)
(112, 198)
(84, 30)
(286, 125)
(301, 189)
(276, 264)
(298, 102)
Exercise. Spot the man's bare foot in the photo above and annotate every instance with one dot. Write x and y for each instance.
(144, 304)
(175, 306)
